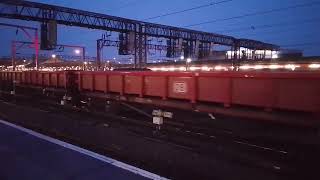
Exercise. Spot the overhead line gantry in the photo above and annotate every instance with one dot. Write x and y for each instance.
(32, 11)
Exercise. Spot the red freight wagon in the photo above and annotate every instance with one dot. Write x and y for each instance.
(52, 79)
(34, 77)
(115, 83)
(100, 82)
(293, 91)
(289, 91)
(217, 90)
(23, 77)
(153, 86)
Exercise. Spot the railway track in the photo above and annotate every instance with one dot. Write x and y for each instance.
(195, 139)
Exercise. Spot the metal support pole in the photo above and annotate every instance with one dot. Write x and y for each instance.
(99, 48)
(83, 54)
(140, 46)
(13, 55)
(36, 46)
(135, 46)
(145, 50)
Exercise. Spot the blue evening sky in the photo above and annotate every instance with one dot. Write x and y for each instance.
(290, 26)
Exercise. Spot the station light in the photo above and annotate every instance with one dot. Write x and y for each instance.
(205, 68)
(53, 56)
(314, 66)
(258, 67)
(291, 66)
(274, 66)
(189, 60)
(77, 51)
(219, 68)
(275, 56)
(182, 57)
(164, 69)
(245, 67)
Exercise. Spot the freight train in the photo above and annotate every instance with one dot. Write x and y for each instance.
(286, 97)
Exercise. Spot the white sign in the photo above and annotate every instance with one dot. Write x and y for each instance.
(160, 113)
(168, 115)
(157, 112)
(158, 120)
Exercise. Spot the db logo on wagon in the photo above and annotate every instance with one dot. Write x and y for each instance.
(180, 87)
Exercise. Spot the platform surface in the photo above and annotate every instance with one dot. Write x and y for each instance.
(28, 155)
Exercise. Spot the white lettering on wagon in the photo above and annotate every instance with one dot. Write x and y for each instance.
(180, 87)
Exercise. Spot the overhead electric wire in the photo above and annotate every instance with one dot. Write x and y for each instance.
(301, 44)
(258, 13)
(128, 4)
(276, 40)
(273, 32)
(266, 26)
(300, 35)
(189, 9)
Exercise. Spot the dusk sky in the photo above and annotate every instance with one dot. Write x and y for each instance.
(296, 28)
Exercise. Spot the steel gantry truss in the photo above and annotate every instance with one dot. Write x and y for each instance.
(32, 11)
(101, 43)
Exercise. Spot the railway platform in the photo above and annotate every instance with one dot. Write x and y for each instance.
(25, 154)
